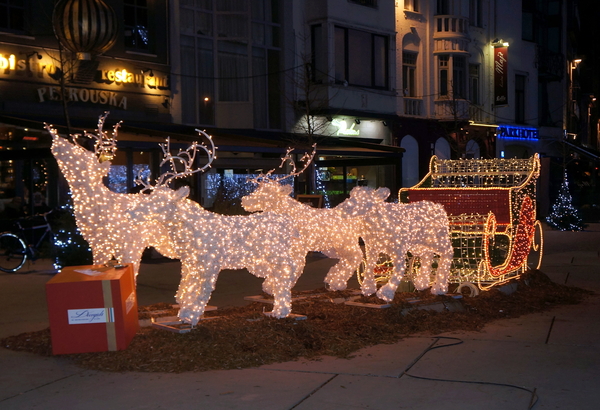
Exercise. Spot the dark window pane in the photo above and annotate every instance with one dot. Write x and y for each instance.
(340, 55)
(359, 52)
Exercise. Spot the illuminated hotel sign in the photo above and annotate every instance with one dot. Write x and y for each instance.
(516, 132)
(343, 128)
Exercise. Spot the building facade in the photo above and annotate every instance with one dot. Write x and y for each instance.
(379, 86)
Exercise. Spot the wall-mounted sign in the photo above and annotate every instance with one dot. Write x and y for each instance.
(84, 95)
(342, 128)
(122, 76)
(44, 69)
(517, 132)
(31, 67)
(501, 75)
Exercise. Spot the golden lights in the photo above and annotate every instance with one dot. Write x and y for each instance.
(491, 208)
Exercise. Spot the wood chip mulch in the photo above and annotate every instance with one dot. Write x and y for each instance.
(244, 337)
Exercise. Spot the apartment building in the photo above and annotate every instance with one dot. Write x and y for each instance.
(379, 86)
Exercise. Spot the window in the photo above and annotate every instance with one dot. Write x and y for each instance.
(409, 66)
(361, 58)
(443, 62)
(230, 52)
(12, 15)
(318, 67)
(474, 83)
(459, 77)
(443, 7)
(368, 3)
(475, 13)
(135, 20)
(412, 5)
(527, 20)
(520, 99)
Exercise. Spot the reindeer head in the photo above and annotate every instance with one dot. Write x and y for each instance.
(266, 196)
(270, 193)
(363, 200)
(77, 163)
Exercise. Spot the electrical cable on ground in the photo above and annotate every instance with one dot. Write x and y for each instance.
(432, 346)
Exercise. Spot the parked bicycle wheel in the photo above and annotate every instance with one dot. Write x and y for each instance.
(13, 252)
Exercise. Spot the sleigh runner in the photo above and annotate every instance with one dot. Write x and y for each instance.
(491, 206)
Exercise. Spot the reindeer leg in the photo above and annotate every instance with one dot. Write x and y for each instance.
(282, 294)
(421, 281)
(195, 296)
(440, 286)
(369, 286)
(388, 291)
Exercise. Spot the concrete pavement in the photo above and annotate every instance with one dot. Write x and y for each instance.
(548, 360)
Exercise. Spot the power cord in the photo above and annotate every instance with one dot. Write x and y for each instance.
(432, 346)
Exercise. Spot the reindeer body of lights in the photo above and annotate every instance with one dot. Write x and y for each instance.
(207, 243)
(321, 230)
(392, 229)
(101, 214)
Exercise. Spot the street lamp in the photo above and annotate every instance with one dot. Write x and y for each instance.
(571, 107)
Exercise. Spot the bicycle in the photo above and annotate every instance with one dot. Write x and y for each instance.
(15, 245)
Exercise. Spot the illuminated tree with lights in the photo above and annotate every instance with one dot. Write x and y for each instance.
(70, 246)
(565, 216)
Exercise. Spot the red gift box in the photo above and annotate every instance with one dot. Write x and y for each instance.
(92, 309)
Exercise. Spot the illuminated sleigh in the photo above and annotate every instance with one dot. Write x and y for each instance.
(491, 206)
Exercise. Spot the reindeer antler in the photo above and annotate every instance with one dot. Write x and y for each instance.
(306, 159)
(185, 157)
(105, 145)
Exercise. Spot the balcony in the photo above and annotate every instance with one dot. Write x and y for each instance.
(449, 110)
(450, 27)
(413, 106)
(451, 34)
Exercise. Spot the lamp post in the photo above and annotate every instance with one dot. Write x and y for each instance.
(571, 93)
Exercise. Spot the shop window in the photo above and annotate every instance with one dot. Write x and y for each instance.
(442, 149)
(410, 161)
(472, 150)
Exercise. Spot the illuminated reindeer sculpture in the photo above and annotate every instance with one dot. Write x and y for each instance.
(420, 228)
(207, 242)
(101, 214)
(321, 230)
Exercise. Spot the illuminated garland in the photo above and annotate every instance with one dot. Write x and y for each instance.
(420, 228)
